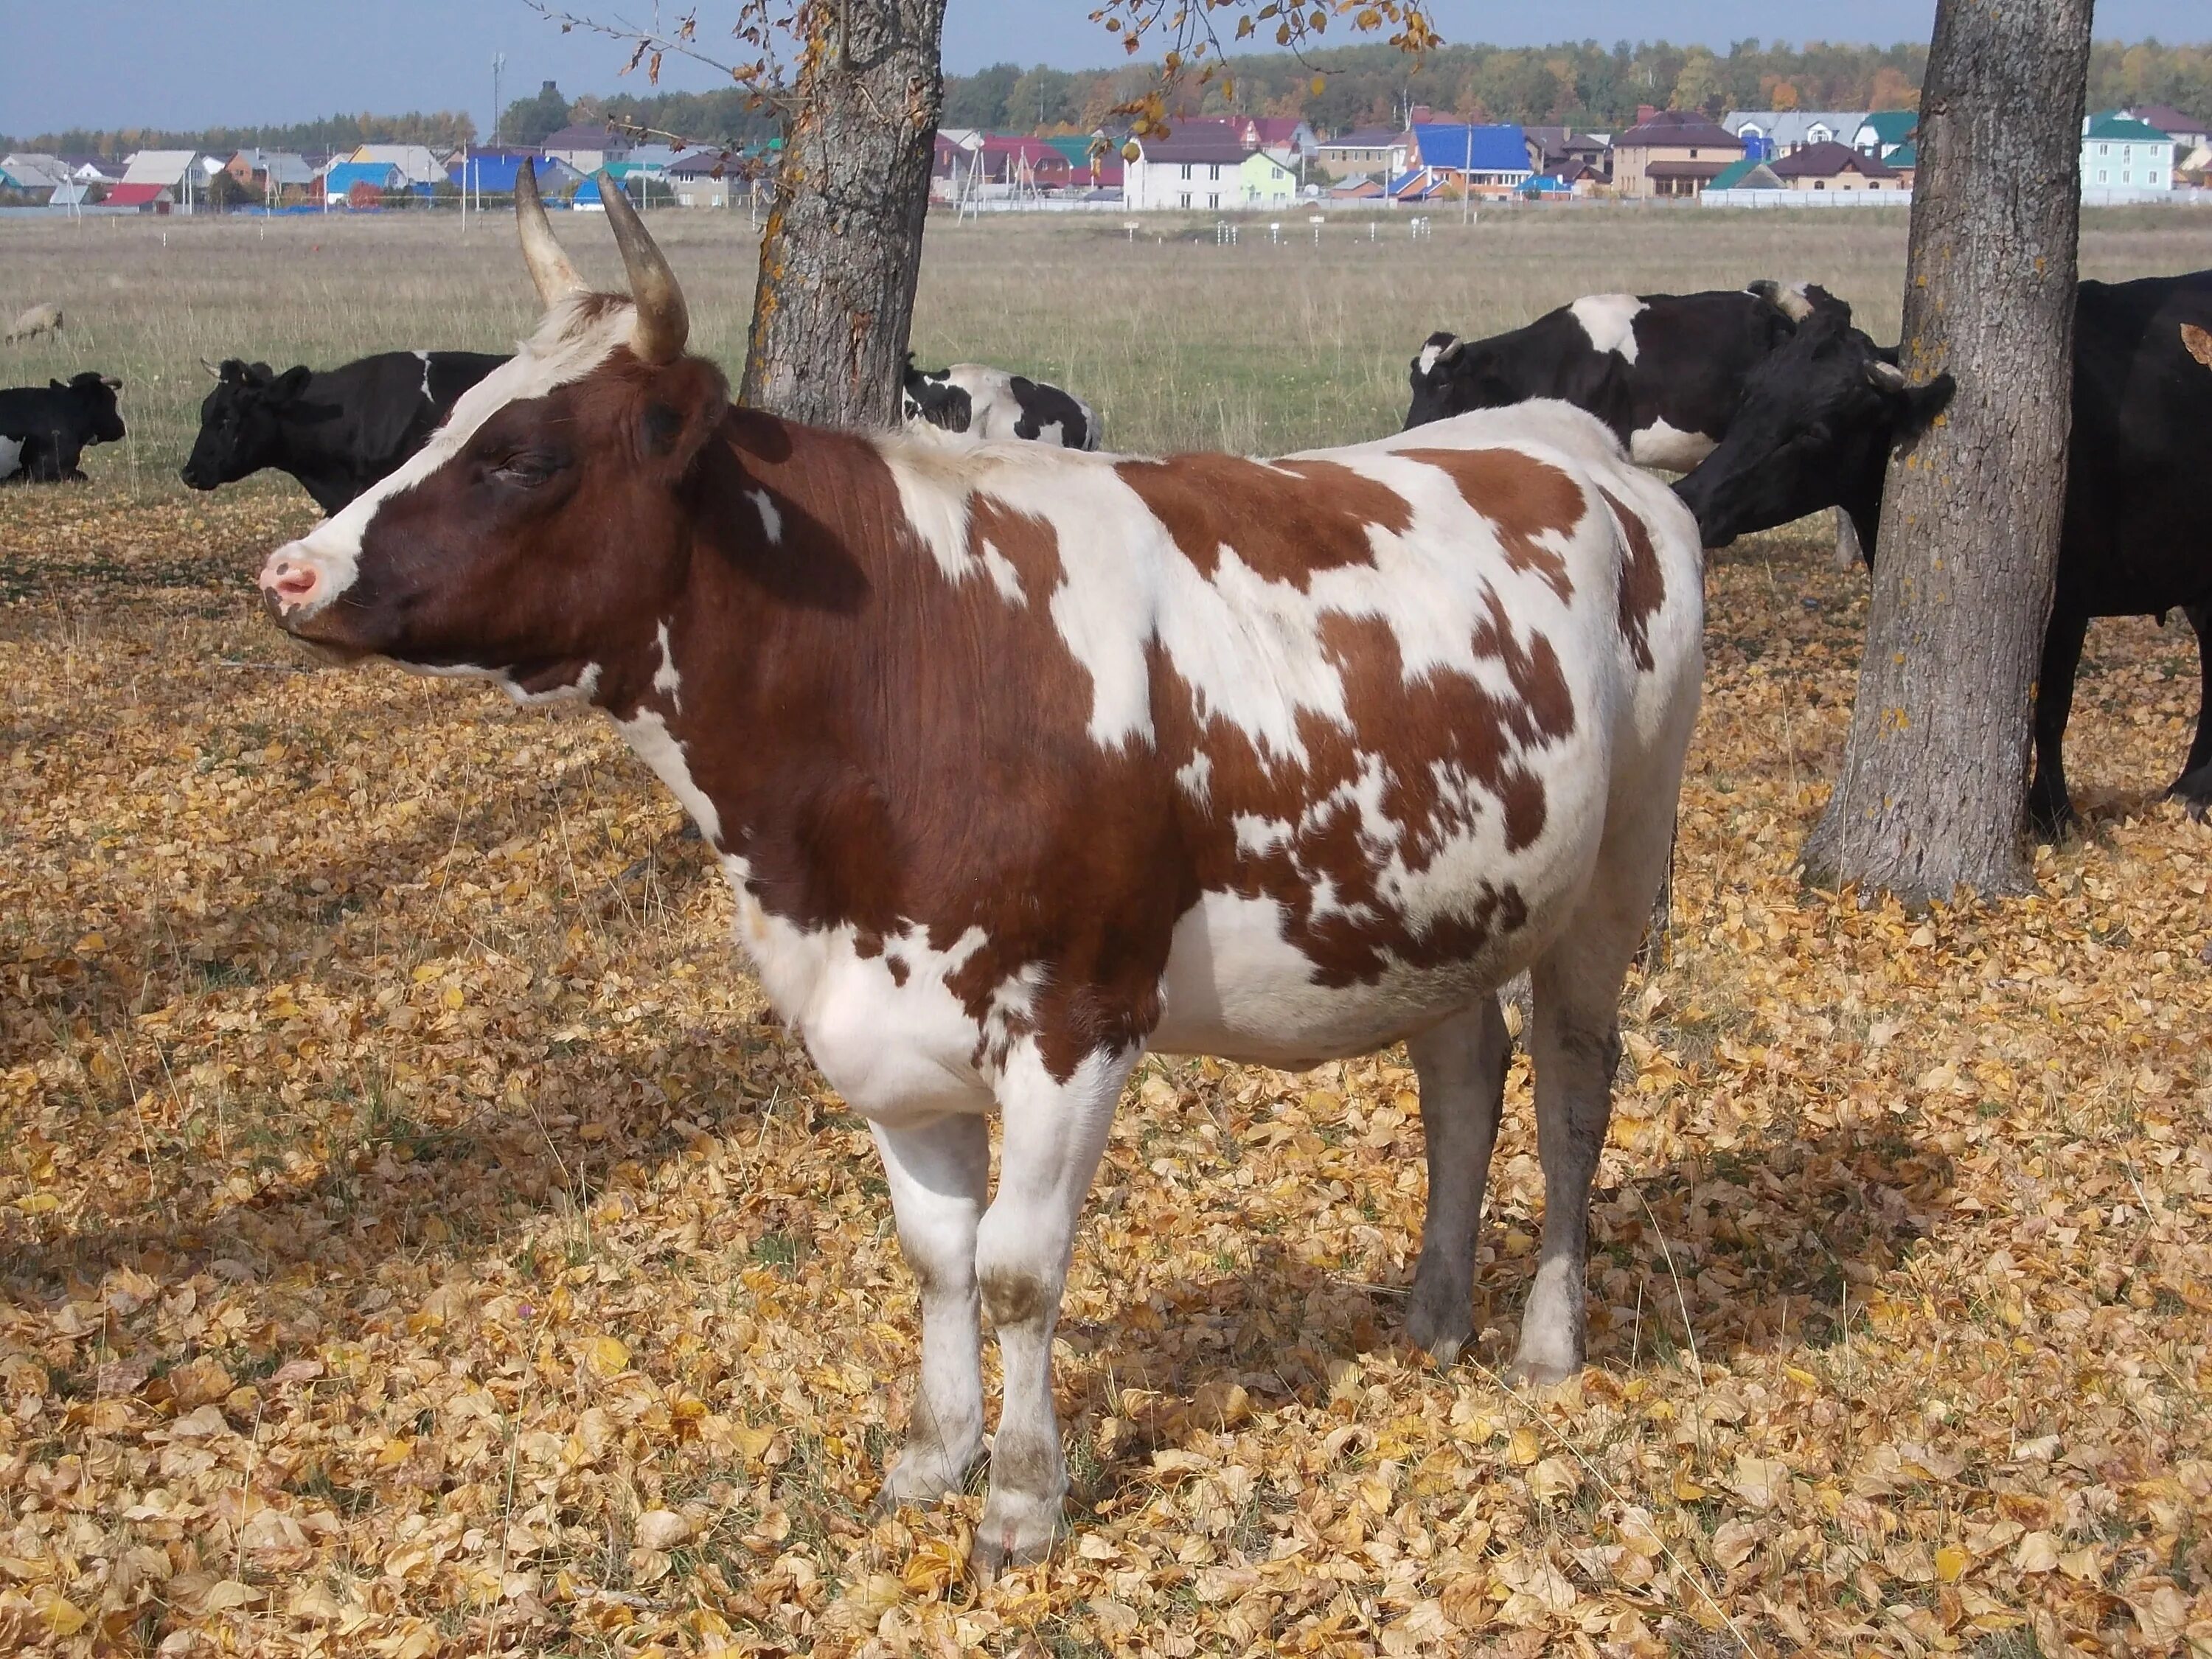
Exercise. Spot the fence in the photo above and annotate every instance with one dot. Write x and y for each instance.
(1807, 199)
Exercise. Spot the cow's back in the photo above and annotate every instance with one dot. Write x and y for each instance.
(1363, 714)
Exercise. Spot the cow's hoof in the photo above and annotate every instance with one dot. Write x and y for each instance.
(1528, 1371)
(689, 832)
(2194, 794)
(1440, 1323)
(921, 1477)
(1015, 1532)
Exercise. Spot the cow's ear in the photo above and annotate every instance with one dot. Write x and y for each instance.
(683, 404)
(1923, 404)
(1915, 407)
(290, 384)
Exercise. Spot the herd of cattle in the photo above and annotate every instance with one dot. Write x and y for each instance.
(1023, 762)
(1769, 401)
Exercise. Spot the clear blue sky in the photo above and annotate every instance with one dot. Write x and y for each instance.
(200, 62)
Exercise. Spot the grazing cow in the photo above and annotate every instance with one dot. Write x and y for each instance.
(52, 426)
(337, 430)
(39, 319)
(1021, 763)
(1664, 371)
(989, 403)
(1821, 416)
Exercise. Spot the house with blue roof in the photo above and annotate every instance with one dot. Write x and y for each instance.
(492, 173)
(1461, 157)
(362, 184)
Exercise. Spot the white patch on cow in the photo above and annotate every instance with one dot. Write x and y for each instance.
(566, 347)
(1195, 778)
(884, 1029)
(1431, 354)
(11, 452)
(425, 357)
(1004, 576)
(579, 689)
(665, 679)
(660, 748)
(1662, 445)
(1609, 319)
(771, 519)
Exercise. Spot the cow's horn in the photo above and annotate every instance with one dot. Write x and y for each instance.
(662, 320)
(1884, 377)
(550, 269)
(210, 369)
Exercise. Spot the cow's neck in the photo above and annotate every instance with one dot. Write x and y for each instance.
(747, 691)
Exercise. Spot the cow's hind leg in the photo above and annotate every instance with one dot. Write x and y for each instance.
(1576, 1047)
(2193, 788)
(1055, 1130)
(939, 1174)
(1462, 1067)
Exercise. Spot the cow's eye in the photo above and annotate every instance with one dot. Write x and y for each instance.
(526, 469)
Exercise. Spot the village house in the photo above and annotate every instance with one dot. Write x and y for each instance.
(586, 148)
(1770, 134)
(1829, 166)
(276, 176)
(1202, 174)
(2125, 160)
(1671, 153)
(1363, 152)
(1459, 157)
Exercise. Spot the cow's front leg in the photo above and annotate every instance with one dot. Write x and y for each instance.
(1055, 1131)
(939, 1174)
(1461, 1067)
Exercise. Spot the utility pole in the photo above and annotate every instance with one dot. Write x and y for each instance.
(498, 64)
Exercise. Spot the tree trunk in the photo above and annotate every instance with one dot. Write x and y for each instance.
(1932, 791)
(842, 244)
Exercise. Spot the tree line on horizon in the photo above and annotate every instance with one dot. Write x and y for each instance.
(1582, 85)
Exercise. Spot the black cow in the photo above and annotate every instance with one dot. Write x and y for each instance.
(338, 431)
(990, 403)
(1664, 371)
(48, 427)
(1820, 417)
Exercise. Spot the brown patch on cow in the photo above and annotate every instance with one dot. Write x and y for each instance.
(1283, 520)
(1642, 583)
(2197, 343)
(1522, 498)
(1436, 755)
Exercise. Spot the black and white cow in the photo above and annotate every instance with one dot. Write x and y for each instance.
(1820, 417)
(44, 430)
(338, 431)
(989, 403)
(1664, 371)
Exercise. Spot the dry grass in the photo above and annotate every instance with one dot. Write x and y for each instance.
(416, 1239)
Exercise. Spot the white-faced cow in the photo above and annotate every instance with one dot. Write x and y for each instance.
(1821, 416)
(336, 430)
(1664, 371)
(52, 426)
(989, 403)
(1022, 762)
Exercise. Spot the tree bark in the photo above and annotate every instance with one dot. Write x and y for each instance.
(841, 248)
(1932, 791)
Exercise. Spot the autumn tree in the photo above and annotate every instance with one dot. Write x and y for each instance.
(1932, 790)
(841, 252)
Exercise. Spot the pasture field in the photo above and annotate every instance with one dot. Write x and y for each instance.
(417, 1238)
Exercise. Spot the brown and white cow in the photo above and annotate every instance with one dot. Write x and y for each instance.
(1023, 761)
